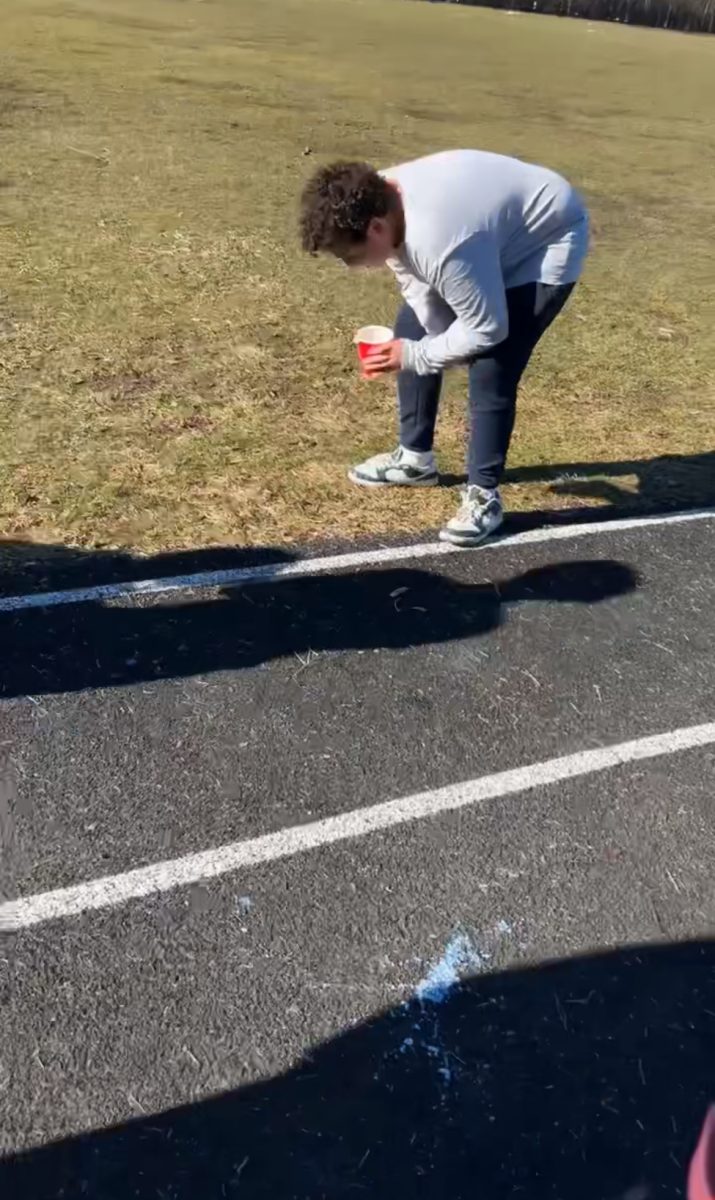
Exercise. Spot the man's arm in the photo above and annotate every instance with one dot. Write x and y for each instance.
(471, 284)
(428, 306)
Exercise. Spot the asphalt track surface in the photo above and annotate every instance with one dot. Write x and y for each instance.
(294, 1026)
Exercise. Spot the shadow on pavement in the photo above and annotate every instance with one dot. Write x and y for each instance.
(27, 567)
(92, 645)
(587, 1078)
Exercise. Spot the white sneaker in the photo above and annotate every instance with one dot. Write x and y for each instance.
(400, 468)
(480, 514)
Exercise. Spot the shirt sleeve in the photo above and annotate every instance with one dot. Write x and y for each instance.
(470, 282)
(428, 306)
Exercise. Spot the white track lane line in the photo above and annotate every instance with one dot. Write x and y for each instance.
(274, 572)
(112, 890)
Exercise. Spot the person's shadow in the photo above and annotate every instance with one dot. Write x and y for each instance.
(587, 1078)
(649, 485)
(90, 645)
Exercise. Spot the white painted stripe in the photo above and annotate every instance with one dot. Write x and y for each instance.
(208, 864)
(274, 572)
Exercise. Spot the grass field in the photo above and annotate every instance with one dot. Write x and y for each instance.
(174, 373)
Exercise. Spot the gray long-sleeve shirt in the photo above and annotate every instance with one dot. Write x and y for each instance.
(477, 224)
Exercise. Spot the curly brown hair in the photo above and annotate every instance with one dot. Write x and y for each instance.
(339, 202)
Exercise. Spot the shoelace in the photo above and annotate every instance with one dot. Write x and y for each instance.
(474, 500)
(473, 497)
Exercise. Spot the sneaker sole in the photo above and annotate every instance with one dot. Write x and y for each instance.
(458, 538)
(361, 481)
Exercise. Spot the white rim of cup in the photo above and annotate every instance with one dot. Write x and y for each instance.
(373, 335)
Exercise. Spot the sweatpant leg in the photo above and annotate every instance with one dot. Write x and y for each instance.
(417, 395)
(494, 377)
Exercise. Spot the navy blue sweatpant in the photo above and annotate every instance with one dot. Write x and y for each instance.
(493, 381)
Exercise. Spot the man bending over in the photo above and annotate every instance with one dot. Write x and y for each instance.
(486, 251)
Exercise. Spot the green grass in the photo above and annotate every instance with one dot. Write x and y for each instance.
(173, 371)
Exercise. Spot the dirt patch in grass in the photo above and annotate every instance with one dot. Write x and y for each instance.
(123, 386)
(174, 373)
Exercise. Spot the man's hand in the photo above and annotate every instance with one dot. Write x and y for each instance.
(383, 360)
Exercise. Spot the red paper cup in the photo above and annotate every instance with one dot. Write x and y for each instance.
(370, 338)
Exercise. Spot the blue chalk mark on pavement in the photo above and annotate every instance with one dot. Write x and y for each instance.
(461, 956)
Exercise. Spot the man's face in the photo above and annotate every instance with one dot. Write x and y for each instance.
(378, 246)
